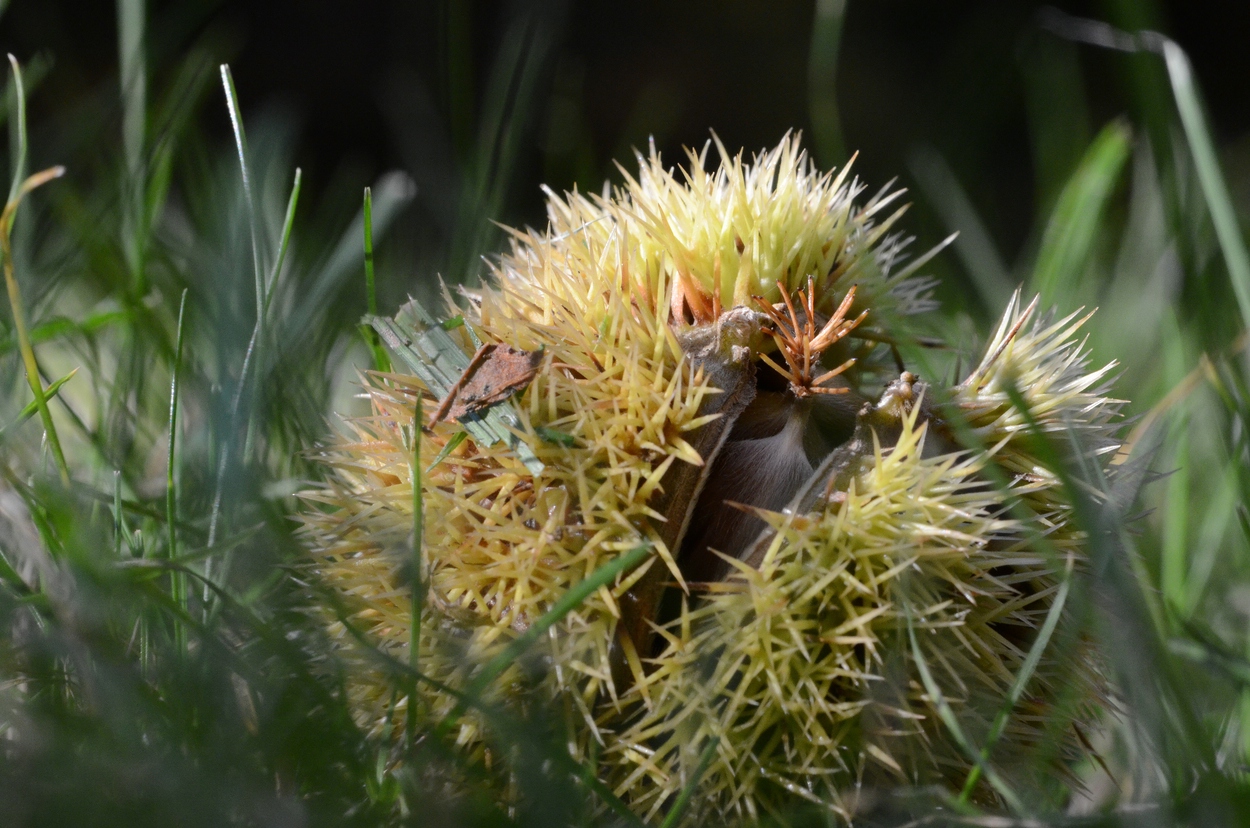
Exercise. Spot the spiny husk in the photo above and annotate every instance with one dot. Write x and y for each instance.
(797, 671)
(641, 301)
(594, 293)
(1049, 367)
(715, 238)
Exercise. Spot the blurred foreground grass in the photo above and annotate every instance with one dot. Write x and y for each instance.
(193, 324)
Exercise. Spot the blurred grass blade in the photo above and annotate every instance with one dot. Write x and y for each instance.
(390, 194)
(178, 581)
(288, 222)
(1205, 648)
(256, 344)
(1211, 179)
(60, 326)
(131, 45)
(18, 149)
(119, 519)
(822, 88)
(19, 190)
(1174, 575)
(171, 120)
(33, 73)
(1212, 520)
(1068, 242)
(1197, 134)
(380, 360)
(417, 562)
(32, 408)
(371, 295)
(1151, 684)
(240, 143)
(422, 343)
(12, 578)
(508, 106)
(975, 248)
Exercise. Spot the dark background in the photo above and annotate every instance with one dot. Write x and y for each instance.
(378, 84)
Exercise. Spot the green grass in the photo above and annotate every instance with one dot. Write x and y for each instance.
(181, 324)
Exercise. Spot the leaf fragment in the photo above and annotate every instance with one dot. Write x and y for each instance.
(495, 373)
(418, 339)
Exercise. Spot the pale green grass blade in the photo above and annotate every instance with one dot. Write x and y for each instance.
(11, 578)
(288, 222)
(371, 293)
(1068, 242)
(33, 74)
(1176, 406)
(240, 143)
(256, 347)
(1211, 179)
(171, 123)
(1197, 134)
(380, 361)
(390, 194)
(119, 518)
(417, 562)
(131, 47)
(424, 345)
(178, 581)
(60, 326)
(450, 446)
(1209, 543)
(17, 191)
(18, 149)
(1174, 575)
(32, 408)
